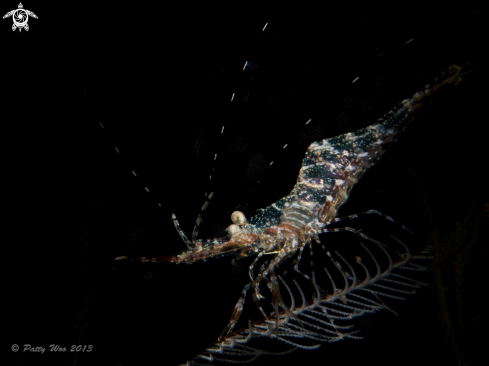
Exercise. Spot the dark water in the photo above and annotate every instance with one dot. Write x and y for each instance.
(160, 79)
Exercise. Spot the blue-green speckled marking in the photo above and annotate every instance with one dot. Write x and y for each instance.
(335, 160)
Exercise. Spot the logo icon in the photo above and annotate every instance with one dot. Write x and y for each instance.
(20, 17)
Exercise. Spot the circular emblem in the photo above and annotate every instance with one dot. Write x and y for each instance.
(20, 18)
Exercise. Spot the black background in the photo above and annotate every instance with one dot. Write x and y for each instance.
(160, 79)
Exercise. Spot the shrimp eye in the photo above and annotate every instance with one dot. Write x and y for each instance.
(238, 218)
(233, 229)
